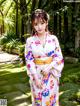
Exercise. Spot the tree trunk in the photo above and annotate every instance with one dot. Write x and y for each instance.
(66, 34)
(2, 26)
(77, 35)
(55, 19)
(60, 20)
(55, 24)
(77, 40)
(34, 2)
(39, 3)
(73, 33)
(23, 8)
(17, 32)
(60, 27)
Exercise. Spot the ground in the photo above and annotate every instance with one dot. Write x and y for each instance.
(14, 82)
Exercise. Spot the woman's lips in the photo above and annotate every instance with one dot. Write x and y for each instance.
(39, 30)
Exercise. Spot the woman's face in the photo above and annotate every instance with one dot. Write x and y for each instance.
(40, 26)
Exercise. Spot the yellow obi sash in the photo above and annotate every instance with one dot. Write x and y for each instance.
(40, 61)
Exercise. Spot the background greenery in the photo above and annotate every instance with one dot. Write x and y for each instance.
(15, 27)
(64, 21)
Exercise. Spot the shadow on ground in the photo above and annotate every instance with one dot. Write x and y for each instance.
(14, 85)
(70, 85)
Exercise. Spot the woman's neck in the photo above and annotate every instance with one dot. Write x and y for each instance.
(41, 36)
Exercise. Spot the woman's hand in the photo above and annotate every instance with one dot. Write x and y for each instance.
(44, 73)
(46, 70)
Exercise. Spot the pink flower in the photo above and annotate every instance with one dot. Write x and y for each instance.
(49, 41)
(37, 43)
(28, 65)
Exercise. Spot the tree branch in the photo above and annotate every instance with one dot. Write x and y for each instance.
(8, 9)
(16, 2)
(28, 2)
(45, 4)
(2, 2)
(1, 13)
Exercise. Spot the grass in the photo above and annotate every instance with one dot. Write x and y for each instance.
(15, 88)
(14, 84)
(70, 85)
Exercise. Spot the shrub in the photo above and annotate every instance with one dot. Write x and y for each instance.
(21, 54)
(3, 40)
(11, 35)
(26, 35)
(7, 37)
(77, 52)
(10, 43)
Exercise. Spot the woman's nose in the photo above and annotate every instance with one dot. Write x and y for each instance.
(39, 26)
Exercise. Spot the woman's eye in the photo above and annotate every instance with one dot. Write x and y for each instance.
(42, 22)
(35, 24)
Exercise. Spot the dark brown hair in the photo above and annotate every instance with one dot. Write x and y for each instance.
(39, 14)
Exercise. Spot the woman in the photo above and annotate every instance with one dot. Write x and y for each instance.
(44, 62)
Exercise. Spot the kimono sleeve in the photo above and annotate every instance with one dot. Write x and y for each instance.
(58, 61)
(29, 58)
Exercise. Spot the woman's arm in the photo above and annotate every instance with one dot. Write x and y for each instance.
(31, 68)
(57, 64)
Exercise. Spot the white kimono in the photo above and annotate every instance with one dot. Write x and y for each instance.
(49, 95)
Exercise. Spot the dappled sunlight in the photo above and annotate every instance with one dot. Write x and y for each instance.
(9, 66)
(13, 68)
(68, 96)
(14, 85)
(30, 105)
(70, 85)
(3, 72)
(60, 93)
(20, 99)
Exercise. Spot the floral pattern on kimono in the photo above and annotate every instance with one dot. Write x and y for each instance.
(49, 95)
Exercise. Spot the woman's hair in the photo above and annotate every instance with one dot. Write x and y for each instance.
(39, 14)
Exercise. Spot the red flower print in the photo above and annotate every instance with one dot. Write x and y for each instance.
(39, 57)
(28, 65)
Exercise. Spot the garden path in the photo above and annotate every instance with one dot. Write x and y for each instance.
(13, 81)
(6, 57)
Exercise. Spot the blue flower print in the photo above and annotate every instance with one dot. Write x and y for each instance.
(46, 78)
(29, 55)
(45, 92)
(50, 53)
